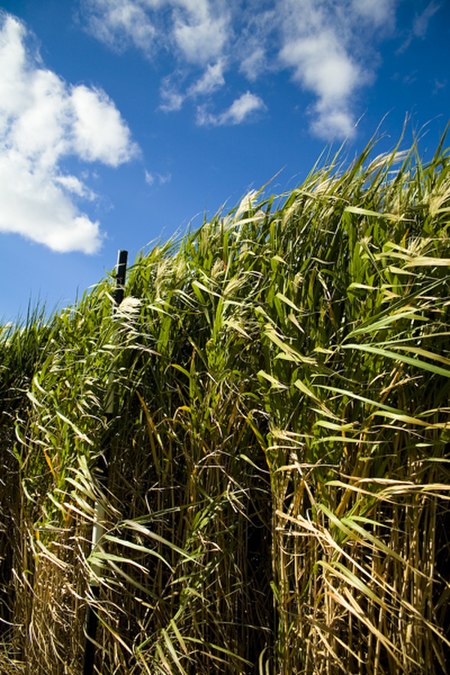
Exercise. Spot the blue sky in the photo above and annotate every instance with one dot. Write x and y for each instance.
(125, 121)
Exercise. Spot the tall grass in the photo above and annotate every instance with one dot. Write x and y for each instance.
(278, 479)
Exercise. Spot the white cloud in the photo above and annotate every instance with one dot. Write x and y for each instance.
(99, 133)
(43, 120)
(256, 40)
(379, 12)
(76, 186)
(238, 112)
(199, 29)
(420, 25)
(149, 177)
(331, 123)
(242, 107)
(171, 98)
(159, 178)
(119, 23)
(254, 63)
(421, 21)
(200, 33)
(321, 65)
(211, 80)
(34, 206)
(36, 122)
(324, 43)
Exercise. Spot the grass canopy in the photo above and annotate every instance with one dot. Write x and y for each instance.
(264, 423)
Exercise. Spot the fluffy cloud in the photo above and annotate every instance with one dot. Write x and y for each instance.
(99, 133)
(171, 98)
(39, 208)
(329, 46)
(321, 65)
(380, 12)
(239, 111)
(211, 80)
(42, 121)
(200, 29)
(197, 29)
(119, 23)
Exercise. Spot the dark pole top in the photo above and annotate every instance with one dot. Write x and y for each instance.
(121, 270)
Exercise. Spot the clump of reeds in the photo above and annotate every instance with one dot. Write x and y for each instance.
(278, 481)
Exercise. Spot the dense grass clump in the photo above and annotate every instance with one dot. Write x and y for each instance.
(276, 496)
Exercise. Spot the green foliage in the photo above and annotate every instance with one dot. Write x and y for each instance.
(271, 399)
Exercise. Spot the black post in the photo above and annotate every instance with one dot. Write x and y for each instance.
(121, 272)
(91, 614)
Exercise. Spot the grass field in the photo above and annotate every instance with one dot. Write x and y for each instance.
(272, 400)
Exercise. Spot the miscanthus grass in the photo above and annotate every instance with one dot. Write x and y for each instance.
(277, 498)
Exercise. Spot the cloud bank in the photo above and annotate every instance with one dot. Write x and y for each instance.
(44, 120)
(328, 47)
